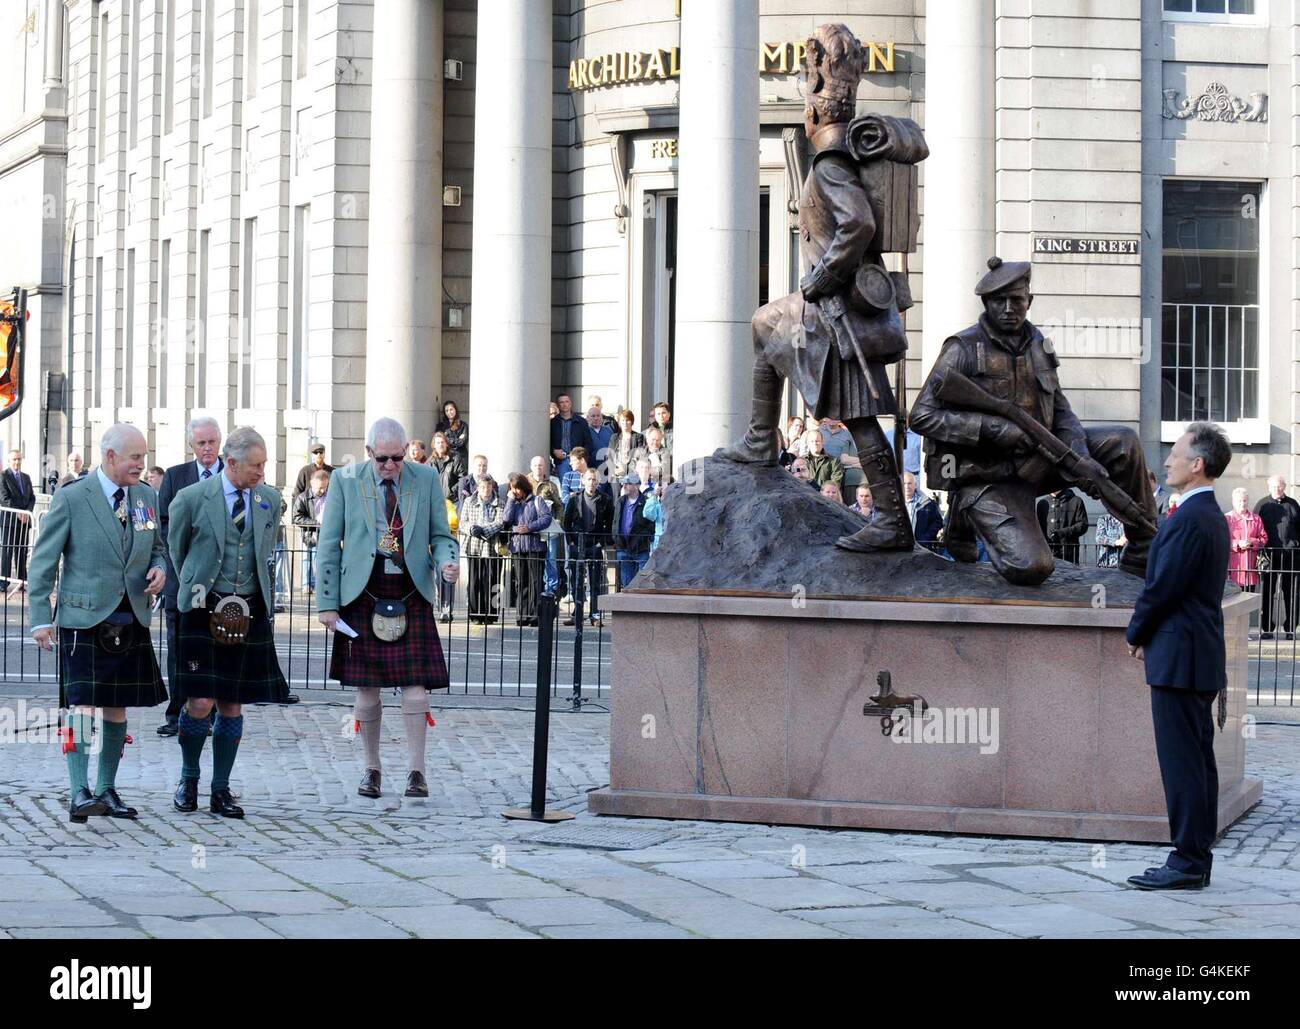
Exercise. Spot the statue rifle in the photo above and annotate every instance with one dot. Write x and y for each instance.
(956, 390)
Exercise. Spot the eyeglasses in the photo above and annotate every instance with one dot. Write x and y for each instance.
(384, 459)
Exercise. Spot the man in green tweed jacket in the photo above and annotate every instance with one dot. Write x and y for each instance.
(104, 529)
(222, 535)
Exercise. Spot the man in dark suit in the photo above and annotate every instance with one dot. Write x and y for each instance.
(568, 430)
(203, 437)
(1281, 517)
(588, 518)
(1177, 628)
(16, 492)
(923, 513)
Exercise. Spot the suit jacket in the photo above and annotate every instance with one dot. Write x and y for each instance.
(346, 555)
(80, 529)
(16, 490)
(643, 530)
(1178, 617)
(175, 479)
(196, 537)
(929, 523)
(579, 435)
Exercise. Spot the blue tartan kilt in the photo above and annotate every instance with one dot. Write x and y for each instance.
(89, 675)
(245, 673)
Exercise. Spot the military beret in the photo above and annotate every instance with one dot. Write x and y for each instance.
(1000, 275)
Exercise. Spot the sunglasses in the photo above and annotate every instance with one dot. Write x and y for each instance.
(384, 459)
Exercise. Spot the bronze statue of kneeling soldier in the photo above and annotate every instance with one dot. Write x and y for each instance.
(999, 433)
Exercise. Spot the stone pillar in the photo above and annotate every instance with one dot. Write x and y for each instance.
(958, 212)
(510, 298)
(53, 34)
(404, 276)
(717, 218)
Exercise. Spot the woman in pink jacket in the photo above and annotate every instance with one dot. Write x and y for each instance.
(1246, 537)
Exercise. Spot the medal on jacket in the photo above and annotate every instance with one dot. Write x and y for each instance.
(388, 542)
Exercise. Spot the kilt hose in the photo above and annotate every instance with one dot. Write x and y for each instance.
(367, 661)
(245, 673)
(91, 676)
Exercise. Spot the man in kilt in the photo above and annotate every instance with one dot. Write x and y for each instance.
(104, 528)
(222, 535)
(384, 547)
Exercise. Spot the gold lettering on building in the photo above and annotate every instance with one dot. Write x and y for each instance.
(660, 148)
(658, 65)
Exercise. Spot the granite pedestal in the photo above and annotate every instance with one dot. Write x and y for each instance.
(750, 709)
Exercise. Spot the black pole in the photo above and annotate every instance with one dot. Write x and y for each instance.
(536, 811)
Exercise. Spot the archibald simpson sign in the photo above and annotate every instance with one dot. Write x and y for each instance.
(648, 66)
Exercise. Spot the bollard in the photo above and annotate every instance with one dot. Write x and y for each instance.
(547, 608)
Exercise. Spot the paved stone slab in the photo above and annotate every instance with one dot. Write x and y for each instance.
(743, 868)
(800, 892)
(1034, 919)
(234, 927)
(453, 921)
(172, 905)
(352, 924)
(37, 887)
(32, 914)
(571, 910)
(1039, 879)
(280, 902)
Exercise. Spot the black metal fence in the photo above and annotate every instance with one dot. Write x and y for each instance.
(490, 639)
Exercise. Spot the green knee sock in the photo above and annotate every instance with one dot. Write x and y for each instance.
(192, 734)
(79, 756)
(112, 739)
(226, 734)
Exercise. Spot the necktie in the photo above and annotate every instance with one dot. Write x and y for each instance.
(237, 512)
(119, 505)
(390, 504)
(207, 473)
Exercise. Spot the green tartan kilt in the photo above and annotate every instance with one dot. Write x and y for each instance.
(246, 673)
(91, 676)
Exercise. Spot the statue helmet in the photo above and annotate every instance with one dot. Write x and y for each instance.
(833, 61)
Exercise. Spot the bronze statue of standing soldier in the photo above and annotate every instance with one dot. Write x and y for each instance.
(836, 337)
(999, 432)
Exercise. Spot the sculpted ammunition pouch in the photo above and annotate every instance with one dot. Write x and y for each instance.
(229, 621)
(389, 620)
(114, 633)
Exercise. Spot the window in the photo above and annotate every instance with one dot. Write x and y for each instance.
(248, 313)
(128, 347)
(169, 66)
(133, 86)
(1215, 10)
(301, 30)
(201, 330)
(301, 303)
(1210, 361)
(164, 312)
(207, 30)
(250, 47)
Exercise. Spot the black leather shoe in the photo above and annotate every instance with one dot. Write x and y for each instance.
(223, 804)
(292, 698)
(369, 784)
(83, 805)
(186, 797)
(1166, 878)
(416, 786)
(169, 728)
(1156, 868)
(113, 806)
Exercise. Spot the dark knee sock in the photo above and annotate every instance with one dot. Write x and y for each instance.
(226, 734)
(112, 738)
(192, 733)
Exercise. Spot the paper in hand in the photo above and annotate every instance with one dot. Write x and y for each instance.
(347, 630)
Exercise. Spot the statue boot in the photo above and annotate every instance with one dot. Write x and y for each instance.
(891, 529)
(761, 443)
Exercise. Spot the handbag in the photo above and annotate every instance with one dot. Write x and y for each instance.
(229, 620)
(114, 633)
(388, 621)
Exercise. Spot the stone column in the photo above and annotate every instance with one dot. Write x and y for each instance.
(53, 32)
(510, 298)
(717, 218)
(958, 212)
(404, 277)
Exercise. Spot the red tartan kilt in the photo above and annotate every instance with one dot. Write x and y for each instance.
(367, 661)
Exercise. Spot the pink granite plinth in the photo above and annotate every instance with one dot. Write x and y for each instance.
(750, 709)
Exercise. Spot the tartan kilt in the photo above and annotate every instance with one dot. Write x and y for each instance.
(89, 675)
(367, 661)
(246, 673)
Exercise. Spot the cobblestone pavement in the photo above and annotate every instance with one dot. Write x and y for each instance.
(314, 860)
